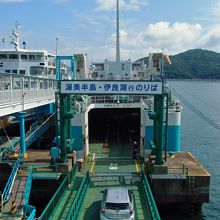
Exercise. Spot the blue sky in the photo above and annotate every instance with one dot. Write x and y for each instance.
(88, 26)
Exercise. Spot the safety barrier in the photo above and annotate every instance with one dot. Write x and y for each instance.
(77, 203)
(55, 200)
(150, 199)
(6, 193)
(73, 173)
(28, 187)
(31, 211)
(18, 92)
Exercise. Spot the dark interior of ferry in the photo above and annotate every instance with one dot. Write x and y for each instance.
(115, 126)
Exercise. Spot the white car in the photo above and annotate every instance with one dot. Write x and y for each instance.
(117, 203)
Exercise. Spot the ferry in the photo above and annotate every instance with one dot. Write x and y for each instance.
(116, 129)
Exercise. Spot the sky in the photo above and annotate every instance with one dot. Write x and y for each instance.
(88, 26)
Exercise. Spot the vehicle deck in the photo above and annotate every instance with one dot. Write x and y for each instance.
(109, 170)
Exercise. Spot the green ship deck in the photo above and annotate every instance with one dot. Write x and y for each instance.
(106, 170)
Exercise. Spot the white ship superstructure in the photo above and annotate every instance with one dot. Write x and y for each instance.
(29, 62)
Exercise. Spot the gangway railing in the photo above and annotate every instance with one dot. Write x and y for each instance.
(19, 93)
(150, 199)
(7, 190)
(32, 135)
(28, 187)
(28, 209)
(79, 198)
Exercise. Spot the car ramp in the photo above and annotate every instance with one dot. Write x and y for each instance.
(112, 172)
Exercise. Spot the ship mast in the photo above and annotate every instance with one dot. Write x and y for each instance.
(117, 36)
(15, 36)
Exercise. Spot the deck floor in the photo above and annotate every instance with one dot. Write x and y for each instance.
(113, 166)
(92, 204)
(194, 167)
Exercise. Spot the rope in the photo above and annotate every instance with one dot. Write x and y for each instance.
(6, 133)
(195, 109)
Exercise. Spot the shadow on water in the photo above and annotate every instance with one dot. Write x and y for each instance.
(175, 211)
(93, 211)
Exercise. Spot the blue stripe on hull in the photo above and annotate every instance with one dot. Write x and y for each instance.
(77, 134)
(173, 137)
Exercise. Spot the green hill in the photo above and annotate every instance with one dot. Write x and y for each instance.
(193, 64)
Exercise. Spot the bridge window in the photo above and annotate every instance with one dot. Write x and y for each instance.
(22, 72)
(35, 70)
(1, 64)
(24, 57)
(13, 56)
(31, 57)
(3, 56)
(7, 71)
(15, 71)
(39, 57)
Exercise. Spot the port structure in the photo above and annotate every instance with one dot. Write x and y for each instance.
(67, 193)
(98, 172)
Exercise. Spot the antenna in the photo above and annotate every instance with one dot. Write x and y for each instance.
(117, 36)
(15, 36)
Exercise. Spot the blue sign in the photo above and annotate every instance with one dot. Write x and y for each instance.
(112, 87)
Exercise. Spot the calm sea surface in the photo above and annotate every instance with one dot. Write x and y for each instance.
(198, 137)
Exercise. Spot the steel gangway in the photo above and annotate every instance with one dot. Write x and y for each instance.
(19, 181)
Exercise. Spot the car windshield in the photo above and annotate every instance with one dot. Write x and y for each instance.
(117, 206)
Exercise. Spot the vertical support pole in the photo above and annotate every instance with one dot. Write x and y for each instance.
(58, 74)
(68, 108)
(21, 116)
(63, 131)
(160, 129)
(73, 67)
(11, 88)
(166, 126)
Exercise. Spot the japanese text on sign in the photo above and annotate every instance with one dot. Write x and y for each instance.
(111, 87)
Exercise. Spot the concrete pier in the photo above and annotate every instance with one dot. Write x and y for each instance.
(184, 181)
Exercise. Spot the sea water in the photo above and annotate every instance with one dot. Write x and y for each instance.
(200, 138)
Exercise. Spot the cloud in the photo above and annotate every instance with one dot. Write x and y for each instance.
(13, 1)
(138, 41)
(177, 35)
(211, 40)
(107, 5)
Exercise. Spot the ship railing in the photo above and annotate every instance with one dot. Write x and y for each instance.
(7, 190)
(16, 88)
(79, 198)
(120, 99)
(55, 201)
(180, 170)
(150, 199)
